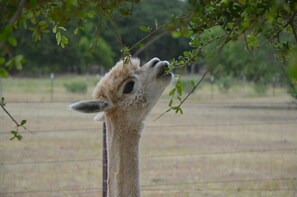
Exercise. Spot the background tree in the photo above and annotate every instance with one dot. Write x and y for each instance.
(126, 27)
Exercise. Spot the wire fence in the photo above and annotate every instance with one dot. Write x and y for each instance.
(253, 151)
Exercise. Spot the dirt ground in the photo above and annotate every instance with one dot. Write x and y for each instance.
(237, 144)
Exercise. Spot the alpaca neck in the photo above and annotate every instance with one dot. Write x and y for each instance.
(123, 157)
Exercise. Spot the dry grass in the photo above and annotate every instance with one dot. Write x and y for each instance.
(238, 145)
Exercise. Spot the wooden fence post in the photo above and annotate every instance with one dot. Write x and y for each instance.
(104, 162)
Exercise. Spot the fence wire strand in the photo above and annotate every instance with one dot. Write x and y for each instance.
(151, 187)
(153, 156)
(169, 187)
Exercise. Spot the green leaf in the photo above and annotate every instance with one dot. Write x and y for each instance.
(75, 31)
(170, 103)
(19, 137)
(145, 29)
(3, 73)
(195, 41)
(176, 109)
(12, 41)
(8, 29)
(171, 93)
(186, 53)
(193, 83)
(176, 34)
(58, 37)
(36, 35)
(62, 28)
(181, 111)
(140, 45)
(42, 24)
(23, 122)
(16, 135)
(64, 39)
(179, 91)
(180, 88)
(14, 132)
(19, 60)
(55, 29)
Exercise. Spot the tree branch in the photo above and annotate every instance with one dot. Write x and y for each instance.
(150, 43)
(247, 47)
(18, 11)
(115, 26)
(150, 34)
(187, 96)
(277, 33)
(5, 110)
(15, 16)
(18, 125)
(194, 88)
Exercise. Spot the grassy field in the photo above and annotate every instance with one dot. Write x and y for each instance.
(236, 144)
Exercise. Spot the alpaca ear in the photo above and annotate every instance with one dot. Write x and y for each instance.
(92, 106)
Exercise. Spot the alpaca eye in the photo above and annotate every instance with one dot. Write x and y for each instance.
(129, 87)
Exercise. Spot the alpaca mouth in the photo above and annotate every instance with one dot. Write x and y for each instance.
(163, 71)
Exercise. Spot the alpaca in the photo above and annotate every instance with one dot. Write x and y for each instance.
(124, 97)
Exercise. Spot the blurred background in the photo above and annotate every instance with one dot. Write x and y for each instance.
(237, 136)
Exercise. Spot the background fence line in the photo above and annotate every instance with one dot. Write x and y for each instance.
(80, 190)
(159, 126)
(164, 156)
(236, 143)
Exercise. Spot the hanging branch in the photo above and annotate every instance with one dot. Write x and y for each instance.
(15, 133)
(182, 101)
(247, 47)
(149, 35)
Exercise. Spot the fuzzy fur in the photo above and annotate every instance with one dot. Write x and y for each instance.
(124, 115)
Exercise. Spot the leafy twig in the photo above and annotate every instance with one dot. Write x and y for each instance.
(150, 42)
(15, 16)
(18, 11)
(247, 46)
(182, 101)
(194, 88)
(115, 26)
(276, 34)
(15, 133)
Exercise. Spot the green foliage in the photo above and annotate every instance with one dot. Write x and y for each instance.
(36, 19)
(76, 87)
(238, 38)
(213, 29)
(148, 19)
(15, 133)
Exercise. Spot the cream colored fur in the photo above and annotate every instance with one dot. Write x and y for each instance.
(124, 115)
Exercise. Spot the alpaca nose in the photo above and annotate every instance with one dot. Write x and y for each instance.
(154, 62)
(166, 64)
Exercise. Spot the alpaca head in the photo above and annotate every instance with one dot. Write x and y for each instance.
(128, 90)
